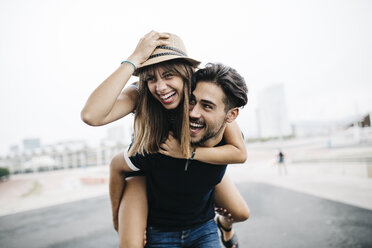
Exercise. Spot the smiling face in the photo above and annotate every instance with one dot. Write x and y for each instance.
(207, 113)
(166, 87)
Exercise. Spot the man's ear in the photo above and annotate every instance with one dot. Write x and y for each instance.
(232, 114)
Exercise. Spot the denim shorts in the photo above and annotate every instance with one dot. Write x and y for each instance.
(203, 236)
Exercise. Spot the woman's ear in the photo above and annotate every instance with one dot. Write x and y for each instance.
(232, 114)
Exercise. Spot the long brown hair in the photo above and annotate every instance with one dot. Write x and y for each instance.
(151, 125)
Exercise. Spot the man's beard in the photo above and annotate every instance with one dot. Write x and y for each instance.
(210, 133)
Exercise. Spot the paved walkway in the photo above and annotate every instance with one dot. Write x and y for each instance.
(280, 218)
(316, 204)
(322, 180)
(32, 191)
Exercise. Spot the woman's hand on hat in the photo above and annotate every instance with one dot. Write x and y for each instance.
(147, 45)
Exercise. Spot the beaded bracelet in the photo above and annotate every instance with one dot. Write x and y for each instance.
(127, 61)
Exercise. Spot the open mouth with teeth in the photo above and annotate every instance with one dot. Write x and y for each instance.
(168, 98)
(196, 127)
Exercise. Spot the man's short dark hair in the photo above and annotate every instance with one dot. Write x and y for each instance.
(230, 81)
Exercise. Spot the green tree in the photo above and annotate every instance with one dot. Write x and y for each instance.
(4, 173)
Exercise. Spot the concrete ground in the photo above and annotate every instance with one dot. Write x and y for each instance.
(32, 191)
(280, 218)
(319, 180)
(317, 203)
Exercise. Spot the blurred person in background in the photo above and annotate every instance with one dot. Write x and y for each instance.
(281, 163)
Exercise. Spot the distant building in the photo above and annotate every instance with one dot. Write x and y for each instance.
(272, 116)
(364, 121)
(312, 128)
(29, 144)
(63, 155)
(14, 149)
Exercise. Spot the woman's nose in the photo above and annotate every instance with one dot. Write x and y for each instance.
(160, 85)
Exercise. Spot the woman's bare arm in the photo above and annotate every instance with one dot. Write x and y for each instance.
(109, 102)
(233, 152)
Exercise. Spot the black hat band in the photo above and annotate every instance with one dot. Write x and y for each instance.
(163, 54)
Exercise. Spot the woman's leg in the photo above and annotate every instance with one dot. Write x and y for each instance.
(133, 213)
(133, 208)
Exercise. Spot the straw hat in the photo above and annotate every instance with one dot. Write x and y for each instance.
(175, 50)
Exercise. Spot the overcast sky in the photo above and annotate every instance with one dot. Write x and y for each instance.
(54, 53)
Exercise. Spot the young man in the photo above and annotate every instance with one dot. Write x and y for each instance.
(181, 192)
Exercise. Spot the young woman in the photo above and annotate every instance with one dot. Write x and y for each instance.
(160, 103)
